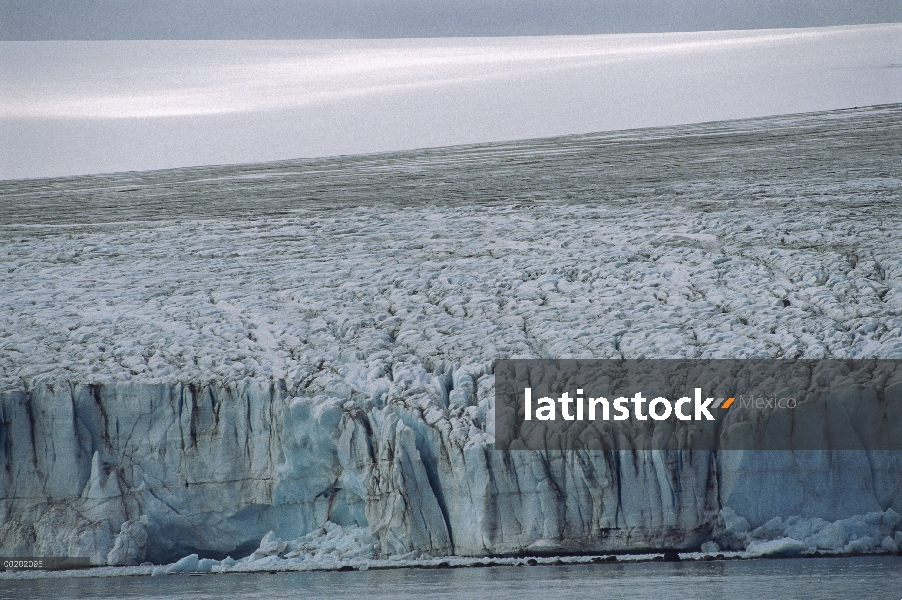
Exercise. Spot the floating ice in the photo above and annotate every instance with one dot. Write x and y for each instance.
(189, 564)
(858, 534)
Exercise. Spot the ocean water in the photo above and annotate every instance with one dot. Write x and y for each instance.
(869, 577)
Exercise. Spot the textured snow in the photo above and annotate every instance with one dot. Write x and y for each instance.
(629, 244)
(301, 352)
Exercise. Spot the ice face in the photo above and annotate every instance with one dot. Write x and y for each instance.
(192, 359)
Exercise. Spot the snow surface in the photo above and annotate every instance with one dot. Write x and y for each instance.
(191, 359)
(103, 106)
(626, 244)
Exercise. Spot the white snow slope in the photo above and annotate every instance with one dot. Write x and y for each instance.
(191, 359)
(81, 107)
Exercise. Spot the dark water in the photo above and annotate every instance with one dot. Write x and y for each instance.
(860, 578)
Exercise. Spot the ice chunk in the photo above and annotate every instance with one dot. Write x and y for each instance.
(777, 547)
(205, 565)
(188, 564)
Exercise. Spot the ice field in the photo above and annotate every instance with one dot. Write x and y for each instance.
(772, 237)
(193, 358)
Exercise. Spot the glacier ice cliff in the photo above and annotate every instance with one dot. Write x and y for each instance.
(132, 472)
(193, 361)
(156, 472)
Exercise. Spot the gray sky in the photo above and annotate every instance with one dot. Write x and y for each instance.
(298, 19)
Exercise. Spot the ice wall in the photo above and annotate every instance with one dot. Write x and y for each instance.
(130, 472)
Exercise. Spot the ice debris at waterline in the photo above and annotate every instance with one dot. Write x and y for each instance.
(335, 547)
(192, 359)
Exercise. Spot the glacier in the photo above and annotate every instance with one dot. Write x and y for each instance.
(291, 362)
